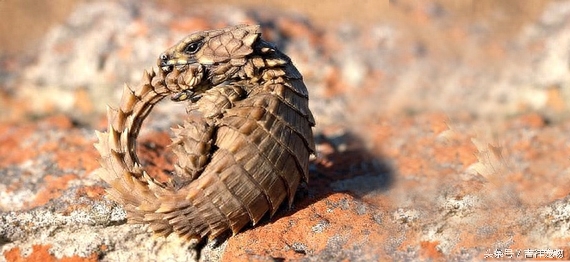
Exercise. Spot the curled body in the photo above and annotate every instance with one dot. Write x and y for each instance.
(242, 149)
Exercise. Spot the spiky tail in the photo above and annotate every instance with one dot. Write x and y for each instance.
(189, 211)
(130, 185)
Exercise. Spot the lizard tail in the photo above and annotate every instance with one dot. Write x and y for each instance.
(145, 199)
(131, 186)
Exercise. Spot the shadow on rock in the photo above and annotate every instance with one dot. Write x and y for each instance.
(345, 164)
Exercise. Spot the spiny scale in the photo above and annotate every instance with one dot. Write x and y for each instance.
(242, 150)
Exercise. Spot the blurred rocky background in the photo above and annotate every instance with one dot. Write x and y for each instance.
(442, 129)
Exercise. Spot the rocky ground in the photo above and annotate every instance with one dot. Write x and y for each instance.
(438, 139)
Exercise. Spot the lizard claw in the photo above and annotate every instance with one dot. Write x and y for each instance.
(182, 95)
(166, 69)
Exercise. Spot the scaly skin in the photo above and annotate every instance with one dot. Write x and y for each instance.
(242, 150)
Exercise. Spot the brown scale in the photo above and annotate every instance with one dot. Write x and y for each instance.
(242, 150)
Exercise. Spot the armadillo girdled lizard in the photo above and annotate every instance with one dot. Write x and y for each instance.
(242, 150)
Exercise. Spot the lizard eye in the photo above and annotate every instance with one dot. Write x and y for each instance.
(192, 48)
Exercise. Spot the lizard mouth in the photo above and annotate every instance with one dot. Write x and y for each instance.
(167, 64)
(170, 65)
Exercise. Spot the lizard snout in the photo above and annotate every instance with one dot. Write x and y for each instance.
(163, 62)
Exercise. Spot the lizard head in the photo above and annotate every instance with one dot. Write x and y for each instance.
(205, 59)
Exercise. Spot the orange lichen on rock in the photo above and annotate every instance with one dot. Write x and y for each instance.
(54, 187)
(42, 253)
(338, 222)
(93, 192)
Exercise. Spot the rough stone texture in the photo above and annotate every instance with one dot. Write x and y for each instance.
(426, 151)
